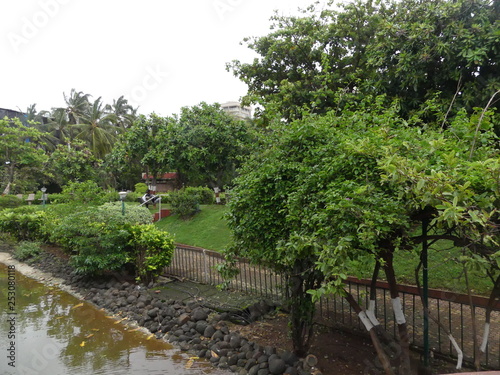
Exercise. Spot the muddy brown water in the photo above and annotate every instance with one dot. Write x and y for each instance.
(49, 331)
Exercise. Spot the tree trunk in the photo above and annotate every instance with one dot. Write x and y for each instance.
(404, 341)
(302, 308)
(382, 356)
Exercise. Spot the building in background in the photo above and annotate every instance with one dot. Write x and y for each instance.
(164, 182)
(237, 110)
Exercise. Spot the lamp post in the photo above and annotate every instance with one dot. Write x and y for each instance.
(123, 194)
(44, 197)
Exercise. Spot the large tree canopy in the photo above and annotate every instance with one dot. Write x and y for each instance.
(21, 156)
(204, 145)
(356, 186)
(409, 50)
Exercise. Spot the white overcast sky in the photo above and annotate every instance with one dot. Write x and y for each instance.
(160, 54)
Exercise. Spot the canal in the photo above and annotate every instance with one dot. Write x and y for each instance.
(49, 331)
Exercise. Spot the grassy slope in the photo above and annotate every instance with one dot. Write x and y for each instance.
(208, 229)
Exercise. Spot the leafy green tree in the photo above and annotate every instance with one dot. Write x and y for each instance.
(207, 144)
(144, 145)
(21, 156)
(73, 162)
(408, 50)
(331, 189)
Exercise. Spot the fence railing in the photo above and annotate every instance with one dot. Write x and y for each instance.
(452, 310)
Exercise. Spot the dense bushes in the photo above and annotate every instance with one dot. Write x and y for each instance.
(23, 224)
(186, 202)
(204, 195)
(98, 238)
(10, 201)
(153, 249)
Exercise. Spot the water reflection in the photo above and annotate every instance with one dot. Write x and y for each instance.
(58, 334)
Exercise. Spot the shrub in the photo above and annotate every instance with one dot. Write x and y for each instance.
(133, 196)
(184, 204)
(87, 192)
(204, 195)
(10, 201)
(98, 237)
(140, 188)
(153, 249)
(26, 250)
(22, 225)
(133, 214)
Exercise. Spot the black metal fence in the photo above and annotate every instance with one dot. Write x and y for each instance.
(452, 310)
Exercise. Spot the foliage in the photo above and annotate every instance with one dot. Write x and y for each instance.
(10, 201)
(353, 187)
(143, 145)
(22, 224)
(204, 195)
(26, 250)
(73, 162)
(98, 238)
(97, 128)
(86, 192)
(208, 144)
(408, 50)
(203, 145)
(184, 203)
(21, 158)
(140, 188)
(153, 249)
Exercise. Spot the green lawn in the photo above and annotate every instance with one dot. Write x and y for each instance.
(207, 229)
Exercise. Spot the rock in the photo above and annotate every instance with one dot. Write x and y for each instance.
(218, 335)
(183, 319)
(289, 358)
(250, 363)
(254, 370)
(269, 350)
(152, 313)
(291, 371)
(232, 360)
(201, 326)
(235, 342)
(209, 331)
(263, 358)
(277, 366)
(311, 360)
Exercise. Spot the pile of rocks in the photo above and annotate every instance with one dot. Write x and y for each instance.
(194, 328)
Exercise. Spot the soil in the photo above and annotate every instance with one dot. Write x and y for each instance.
(337, 352)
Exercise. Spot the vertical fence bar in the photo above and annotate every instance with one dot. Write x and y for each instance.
(413, 319)
(439, 326)
(450, 317)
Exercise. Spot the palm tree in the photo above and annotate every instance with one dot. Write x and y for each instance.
(77, 103)
(58, 125)
(124, 112)
(97, 128)
(39, 120)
